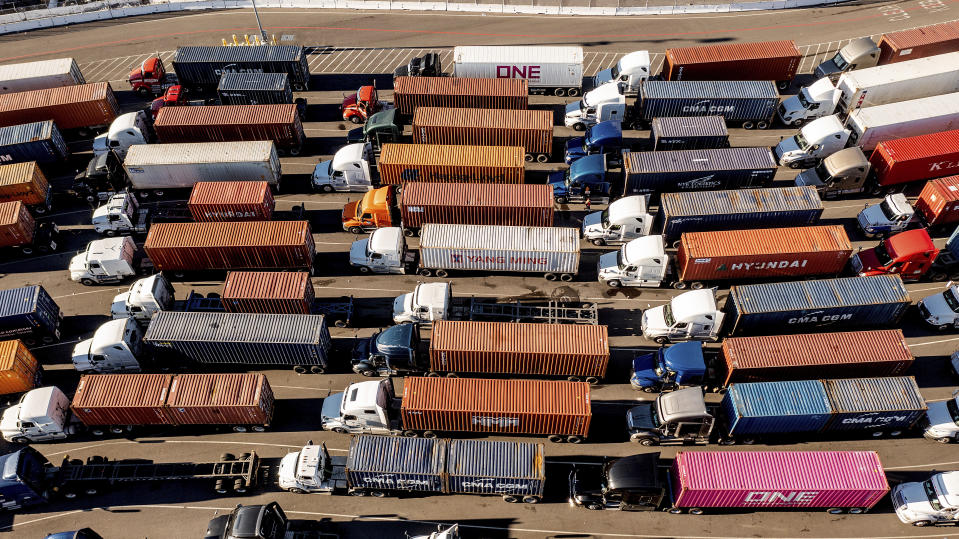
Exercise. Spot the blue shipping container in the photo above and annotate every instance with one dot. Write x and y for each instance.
(776, 407)
(737, 101)
(826, 304)
(203, 66)
(30, 314)
(892, 402)
(697, 170)
(386, 462)
(688, 133)
(484, 467)
(38, 141)
(254, 89)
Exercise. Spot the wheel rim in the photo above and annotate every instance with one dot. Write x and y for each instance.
(259, 428)
(239, 428)
(614, 284)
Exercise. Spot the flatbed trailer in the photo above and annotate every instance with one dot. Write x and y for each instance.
(548, 312)
(338, 311)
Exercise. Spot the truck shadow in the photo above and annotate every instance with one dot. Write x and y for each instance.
(932, 371)
(377, 526)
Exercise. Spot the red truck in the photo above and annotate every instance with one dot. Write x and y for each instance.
(909, 254)
(151, 78)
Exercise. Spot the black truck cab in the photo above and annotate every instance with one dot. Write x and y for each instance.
(393, 351)
(631, 483)
(249, 522)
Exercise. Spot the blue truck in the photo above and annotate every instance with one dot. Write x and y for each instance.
(589, 171)
(605, 138)
(29, 313)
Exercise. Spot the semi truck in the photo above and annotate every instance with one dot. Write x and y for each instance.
(531, 129)
(21, 234)
(551, 251)
(201, 68)
(233, 123)
(266, 522)
(26, 182)
(928, 503)
(29, 314)
(108, 260)
(844, 172)
(38, 141)
(623, 220)
(428, 65)
(604, 138)
(893, 47)
(40, 75)
(909, 254)
(769, 60)
(84, 107)
(430, 407)
(126, 130)
(939, 310)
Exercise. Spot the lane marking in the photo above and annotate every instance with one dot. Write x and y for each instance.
(41, 519)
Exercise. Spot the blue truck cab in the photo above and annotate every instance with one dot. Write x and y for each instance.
(24, 479)
(570, 185)
(669, 368)
(602, 138)
(393, 351)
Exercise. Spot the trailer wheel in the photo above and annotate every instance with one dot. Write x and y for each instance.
(97, 432)
(529, 158)
(432, 374)
(116, 430)
(938, 276)
(542, 158)
(696, 511)
(359, 493)
(339, 430)
(410, 434)
(220, 487)
(572, 92)
(509, 498)
(748, 125)
(550, 276)
(727, 441)
(592, 380)
(226, 457)
(675, 511)
(835, 511)
(696, 286)
(295, 151)
(877, 434)
(762, 125)
(442, 273)
(452, 375)
(317, 369)
(91, 491)
(425, 272)
(26, 250)
(572, 378)
(566, 277)
(240, 428)
(749, 441)
(922, 523)
(70, 495)
(559, 92)
(679, 285)
(239, 485)
(661, 340)
(856, 511)
(430, 434)
(556, 438)
(258, 428)
(299, 369)
(531, 499)
(295, 490)
(574, 439)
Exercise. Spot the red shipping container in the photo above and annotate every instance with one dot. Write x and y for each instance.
(16, 224)
(459, 92)
(767, 60)
(231, 201)
(513, 348)
(916, 158)
(272, 292)
(83, 105)
(777, 479)
(810, 356)
(476, 204)
(502, 406)
(279, 123)
(24, 182)
(531, 129)
(121, 399)
(225, 246)
(919, 42)
(939, 201)
(220, 399)
(766, 252)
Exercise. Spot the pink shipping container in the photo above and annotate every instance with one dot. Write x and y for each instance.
(777, 479)
(939, 201)
(70, 107)
(476, 204)
(231, 201)
(916, 158)
(273, 292)
(766, 60)
(919, 42)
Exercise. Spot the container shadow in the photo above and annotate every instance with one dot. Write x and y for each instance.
(397, 526)
(347, 82)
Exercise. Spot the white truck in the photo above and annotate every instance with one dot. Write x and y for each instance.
(601, 104)
(126, 130)
(893, 214)
(348, 171)
(108, 260)
(41, 415)
(941, 310)
(819, 139)
(40, 75)
(933, 502)
(114, 348)
(122, 214)
(690, 316)
(630, 70)
(625, 219)
(943, 418)
(891, 83)
(844, 172)
(145, 298)
(642, 262)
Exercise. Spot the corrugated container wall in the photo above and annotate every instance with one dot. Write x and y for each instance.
(16, 224)
(395, 463)
(848, 302)
(24, 182)
(437, 163)
(242, 338)
(39, 75)
(459, 92)
(918, 42)
(500, 406)
(939, 201)
(179, 166)
(760, 408)
(697, 170)
(231, 123)
(531, 129)
(203, 66)
(764, 252)
(28, 310)
(688, 133)
(121, 399)
(543, 67)
(892, 403)
(872, 125)
(813, 355)
(767, 60)
(493, 467)
(226, 246)
(732, 209)
(476, 204)
(275, 292)
(83, 105)
(39, 141)
(517, 348)
(853, 479)
(19, 370)
(737, 101)
(254, 89)
(500, 248)
(231, 201)
(916, 158)
(219, 399)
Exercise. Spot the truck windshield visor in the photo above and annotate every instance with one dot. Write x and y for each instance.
(840, 62)
(931, 494)
(801, 141)
(887, 211)
(802, 98)
(614, 72)
(951, 300)
(882, 254)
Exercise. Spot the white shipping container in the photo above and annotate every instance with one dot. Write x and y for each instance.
(500, 248)
(903, 81)
(873, 125)
(179, 166)
(39, 75)
(543, 67)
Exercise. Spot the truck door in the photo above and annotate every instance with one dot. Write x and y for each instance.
(96, 269)
(639, 501)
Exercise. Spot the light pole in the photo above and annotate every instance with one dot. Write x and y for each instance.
(257, 15)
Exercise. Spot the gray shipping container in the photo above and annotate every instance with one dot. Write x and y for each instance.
(242, 338)
(39, 75)
(394, 463)
(735, 209)
(254, 89)
(29, 313)
(180, 166)
(203, 66)
(549, 250)
(697, 170)
(494, 467)
(826, 304)
(892, 402)
(38, 141)
(751, 103)
(688, 133)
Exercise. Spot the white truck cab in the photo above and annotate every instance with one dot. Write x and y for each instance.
(631, 70)
(126, 130)
(857, 54)
(941, 310)
(943, 420)
(120, 214)
(42, 414)
(349, 170)
(690, 316)
(309, 470)
(383, 252)
(145, 298)
(934, 501)
(602, 104)
(426, 303)
(364, 408)
(114, 348)
(844, 172)
(893, 214)
(817, 140)
(642, 262)
(104, 261)
(814, 101)
(625, 219)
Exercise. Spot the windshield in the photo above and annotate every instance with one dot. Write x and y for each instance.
(950, 297)
(614, 71)
(882, 254)
(566, 178)
(801, 141)
(802, 98)
(840, 62)
(931, 494)
(668, 315)
(822, 172)
(887, 210)
(953, 408)
(30, 470)
(604, 217)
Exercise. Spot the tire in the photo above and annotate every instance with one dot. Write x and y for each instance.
(326, 188)
(295, 151)
(696, 286)
(922, 523)
(408, 232)
(442, 273)
(355, 230)
(29, 342)
(679, 285)
(116, 430)
(20, 440)
(649, 389)
(531, 499)
(299, 87)
(696, 511)
(727, 441)
(425, 272)
(794, 165)
(109, 233)
(299, 369)
(661, 340)
(599, 242)
(675, 511)
(378, 493)
(550, 276)
(355, 120)
(748, 125)
(835, 510)
(562, 200)
(316, 369)
(938, 276)
(240, 428)
(69, 495)
(364, 269)
(509, 498)
(943, 440)
(410, 434)
(594, 507)
(220, 487)
(574, 439)
(529, 158)
(559, 92)
(592, 380)
(91, 491)
(430, 435)
(97, 432)
(369, 373)
(27, 251)
(360, 493)
(762, 125)
(239, 486)
(782, 85)
(258, 428)
(566, 277)
(295, 490)
(555, 438)
(615, 283)
(542, 158)
(572, 92)
(856, 511)
(143, 92)
(796, 123)
(452, 375)
(579, 126)
(339, 430)
(645, 441)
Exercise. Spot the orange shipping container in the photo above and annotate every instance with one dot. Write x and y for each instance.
(24, 182)
(550, 408)
(531, 129)
(231, 201)
(231, 123)
(573, 350)
(220, 399)
(476, 204)
(121, 399)
(437, 163)
(273, 292)
(919, 42)
(410, 93)
(767, 60)
(83, 105)
(16, 224)
(939, 201)
(19, 370)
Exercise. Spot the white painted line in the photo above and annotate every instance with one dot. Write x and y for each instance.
(592, 57)
(445, 58)
(347, 61)
(377, 58)
(934, 342)
(55, 344)
(10, 526)
(931, 465)
(99, 291)
(329, 53)
(385, 63)
(145, 441)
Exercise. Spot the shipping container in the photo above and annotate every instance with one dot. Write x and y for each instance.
(777, 479)
(787, 407)
(688, 133)
(39, 75)
(844, 303)
(121, 399)
(215, 399)
(918, 42)
(872, 125)
(179, 166)
(275, 292)
(494, 467)
(531, 129)
(231, 201)
(25, 182)
(938, 203)
(70, 107)
(386, 462)
(767, 60)
(881, 85)
(19, 370)
(40, 142)
(16, 224)
(496, 406)
(733, 209)
(750, 103)
(557, 70)
(300, 340)
(29, 314)
(808, 356)
(232, 123)
(890, 403)
(254, 89)
(916, 158)
(465, 93)
(527, 349)
(476, 204)
(202, 67)
(553, 251)
(650, 173)
(438, 163)
(763, 252)
(227, 246)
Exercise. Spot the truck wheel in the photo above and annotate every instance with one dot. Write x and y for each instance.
(856, 511)
(556, 438)
(649, 389)
(509, 498)
(550, 276)
(378, 493)
(316, 369)
(562, 200)
(943, 440)
(661, 340)
(592, 380)
(364, 269)
(442, 274)
(727, 441)
(566, 277)
(594, 506)
(599, 242)
(20, 440)
(579, 126)
(339, 430)
(299, 87)
(143, 92)
(614, 283)
(679, 285)
(531, 499)
(426, 272)
(574, 439)
(87, 282)
(295, 490)
(299, 369)
(796, 123)
(369, 373)
(240, 428)
(695, 511)
(355, 119)
(326, 188)
(938, 276)
(410, 434)
(922, 523)
(795, 164)
(27, 251)
(110, 233)
(430, 434)
(542, 158)
(295, 151)
(641, 439)
(559, 92)
(258, 428)
(355, 230)
(943, 327)
(29, 342)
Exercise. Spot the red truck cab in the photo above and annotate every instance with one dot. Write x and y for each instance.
(909, 254)
(377, 209)
(364, 103)
(151, 78)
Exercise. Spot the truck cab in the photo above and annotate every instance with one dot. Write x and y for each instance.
(104, 174)
(942, 420)
(145, 298)
(690, 316)
(933, 502)
(311, 469)
(603, 138)
(393, 351)
(426, 303)
(630, 483)
(377, 209)
(427, 65)
(631, 70)
(908, 254)
(381, 128)
(817, 140)
(151, 78)
(364, 408)
(570, 185)
(358, 107)
(104, 261)
(814, 101)
(642, 262)
(844, 172)
(625, 219)
(669, 368)
(120, 214)
(250, 522)
(41, 415)
(857, 54)
(893, 214)
(114, 348)
(349, 170)
(25, 481)
(383, 252)
(125, 131)
(677, 418)
(603, 104)
(941, 310)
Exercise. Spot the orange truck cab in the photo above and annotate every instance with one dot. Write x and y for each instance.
(909, 254)
(377, 209)
(151, 78)
(358, 107)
